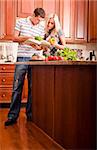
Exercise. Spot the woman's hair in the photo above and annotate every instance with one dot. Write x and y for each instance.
(56, 21)
(39, 12)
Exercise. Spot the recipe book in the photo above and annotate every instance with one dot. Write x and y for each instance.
(33, 41)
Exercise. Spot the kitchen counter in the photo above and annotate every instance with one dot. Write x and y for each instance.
(62, 62)
(39, 62)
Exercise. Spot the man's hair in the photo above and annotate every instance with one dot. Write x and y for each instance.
(39, 12)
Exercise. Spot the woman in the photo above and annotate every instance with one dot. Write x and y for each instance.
(54, 33)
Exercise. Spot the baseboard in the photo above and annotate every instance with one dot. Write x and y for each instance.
(44, 139)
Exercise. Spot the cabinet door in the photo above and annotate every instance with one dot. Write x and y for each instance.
(6, 83)
(92, 28)
(81, 11)
(6, 79)
(2, 18)
(5, 95)
(25, 7)
(47, 6)
(74, 106)
(75, 20)
(43, 97)
(10, 16)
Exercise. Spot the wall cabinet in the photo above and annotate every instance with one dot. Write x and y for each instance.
(92, 22)
(80, 21)
(78, 18)
(75, 20)
(2, 18)
(26, 7)
(6, 83)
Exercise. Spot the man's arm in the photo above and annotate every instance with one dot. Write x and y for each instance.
(18, 38)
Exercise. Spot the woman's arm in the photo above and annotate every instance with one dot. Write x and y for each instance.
(63, 42)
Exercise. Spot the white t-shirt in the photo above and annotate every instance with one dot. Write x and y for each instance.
(26, 28)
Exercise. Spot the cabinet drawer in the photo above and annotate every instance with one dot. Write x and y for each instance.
(5, 95)
(7, 68)
(6, 79)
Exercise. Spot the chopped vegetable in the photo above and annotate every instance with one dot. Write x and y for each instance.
(39, 38)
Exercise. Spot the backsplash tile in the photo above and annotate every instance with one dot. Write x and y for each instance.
(84, 49)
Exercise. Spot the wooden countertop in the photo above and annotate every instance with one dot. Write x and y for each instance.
(54, 62)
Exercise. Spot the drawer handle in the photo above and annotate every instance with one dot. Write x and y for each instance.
(3, 80)
(3, 68)
(3, 95)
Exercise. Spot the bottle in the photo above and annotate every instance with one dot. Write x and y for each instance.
(93, 56)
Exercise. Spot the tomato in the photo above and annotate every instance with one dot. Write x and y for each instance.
(50, 57)
(55, 57)
(60, 58)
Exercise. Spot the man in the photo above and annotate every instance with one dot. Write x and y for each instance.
(25, 28)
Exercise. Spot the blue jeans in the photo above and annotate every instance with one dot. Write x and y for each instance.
(19, 76)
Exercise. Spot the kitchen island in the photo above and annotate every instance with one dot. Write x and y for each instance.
(64, 101)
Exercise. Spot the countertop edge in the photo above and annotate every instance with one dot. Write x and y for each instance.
(52, 63)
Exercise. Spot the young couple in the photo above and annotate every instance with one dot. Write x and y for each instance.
(28, 28)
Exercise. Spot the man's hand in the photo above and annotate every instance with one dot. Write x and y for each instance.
(37, 47)
(20, 39)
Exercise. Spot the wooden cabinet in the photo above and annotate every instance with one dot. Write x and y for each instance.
(64, 99)
(78, 18)
(92, 22)
(80, 21)
(2, 18)
(74, 106)
(26, 7)
(10, 12)
(75, 20)
(6, 83)
(23, 8)
(43, 98)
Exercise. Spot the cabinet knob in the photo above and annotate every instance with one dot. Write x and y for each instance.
(3, 68)
(3, 95)
(3, 80)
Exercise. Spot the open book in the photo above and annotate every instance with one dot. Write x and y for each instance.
(33, 41)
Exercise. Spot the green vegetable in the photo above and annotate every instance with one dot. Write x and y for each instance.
(39, 38)
(68, 54)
